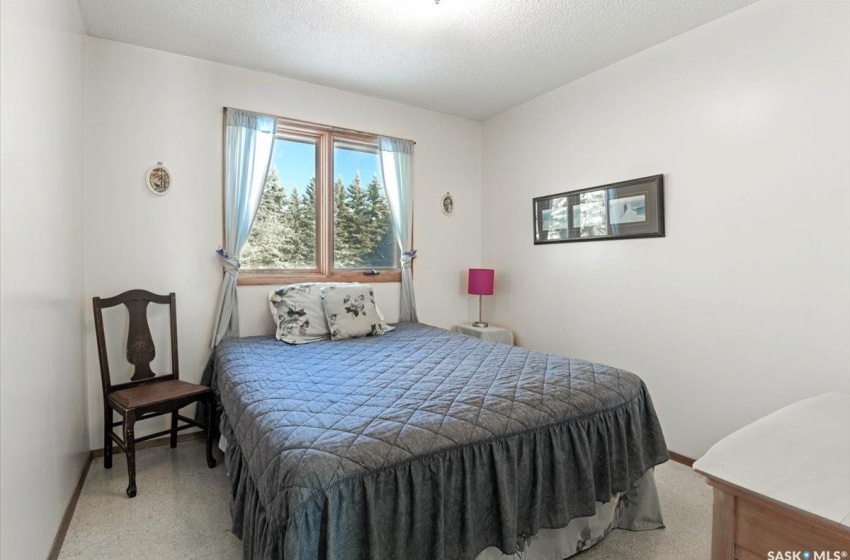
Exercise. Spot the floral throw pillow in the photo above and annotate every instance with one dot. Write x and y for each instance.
(298, 313)
(351, 311)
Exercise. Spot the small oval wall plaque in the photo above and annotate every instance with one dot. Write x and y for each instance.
(158, 179)
(448, 204)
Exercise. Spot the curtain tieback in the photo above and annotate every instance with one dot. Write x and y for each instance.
(407, 258)
(230, 265)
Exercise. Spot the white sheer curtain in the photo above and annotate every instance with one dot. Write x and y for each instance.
(248, 144)
(397, 169)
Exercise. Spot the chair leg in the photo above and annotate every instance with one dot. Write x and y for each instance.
(173, 429)
(129, 442)
(210, 431)
(107, 436)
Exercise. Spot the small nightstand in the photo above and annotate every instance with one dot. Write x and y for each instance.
(491, 333)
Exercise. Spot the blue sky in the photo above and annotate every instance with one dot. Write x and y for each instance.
(295, 163)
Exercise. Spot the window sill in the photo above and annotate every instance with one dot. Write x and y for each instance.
(276, 278)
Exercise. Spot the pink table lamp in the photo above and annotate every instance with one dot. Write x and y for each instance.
(480, 284)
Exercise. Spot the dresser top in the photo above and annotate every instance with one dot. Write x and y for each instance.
(798, 455)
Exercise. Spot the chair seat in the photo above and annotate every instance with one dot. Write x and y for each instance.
(156, 393)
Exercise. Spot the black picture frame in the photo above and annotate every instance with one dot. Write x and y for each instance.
(626, 210)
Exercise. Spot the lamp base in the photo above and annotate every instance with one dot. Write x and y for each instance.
(480, 325)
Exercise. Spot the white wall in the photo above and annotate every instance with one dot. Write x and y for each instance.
(145, 106)
(42, 384)
(745, 306)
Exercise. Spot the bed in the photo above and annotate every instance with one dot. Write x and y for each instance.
(425, 444)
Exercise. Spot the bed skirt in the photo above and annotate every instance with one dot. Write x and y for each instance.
(635, 509)
(638, 509)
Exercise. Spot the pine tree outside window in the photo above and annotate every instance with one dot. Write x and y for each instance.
(323, 215)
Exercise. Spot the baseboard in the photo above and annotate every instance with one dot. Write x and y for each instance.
(69, 512)
(687, 461)
(158, 442)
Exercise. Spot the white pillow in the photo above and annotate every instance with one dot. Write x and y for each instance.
(351, 311)
(298, 312)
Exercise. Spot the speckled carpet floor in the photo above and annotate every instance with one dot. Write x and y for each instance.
(182, 512)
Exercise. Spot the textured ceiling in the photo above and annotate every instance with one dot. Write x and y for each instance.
(472, 58)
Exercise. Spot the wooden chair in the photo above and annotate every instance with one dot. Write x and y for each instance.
(146, 395)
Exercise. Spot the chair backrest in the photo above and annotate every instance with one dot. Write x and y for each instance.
(140, 346)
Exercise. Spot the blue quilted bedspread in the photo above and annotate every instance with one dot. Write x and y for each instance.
(421, 444)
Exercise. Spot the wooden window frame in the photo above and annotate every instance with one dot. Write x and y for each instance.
(324, 138)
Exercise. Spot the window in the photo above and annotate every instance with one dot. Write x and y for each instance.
(324, 213)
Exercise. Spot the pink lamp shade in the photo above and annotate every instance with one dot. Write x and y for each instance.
(481, 281)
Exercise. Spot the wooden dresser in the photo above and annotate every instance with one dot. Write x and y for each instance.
(782, 484)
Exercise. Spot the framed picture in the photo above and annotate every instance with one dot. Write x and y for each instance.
(448, 204)
(158, 179)
(617, 211)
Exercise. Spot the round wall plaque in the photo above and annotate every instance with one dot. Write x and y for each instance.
(158, 179)
(448, 204)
